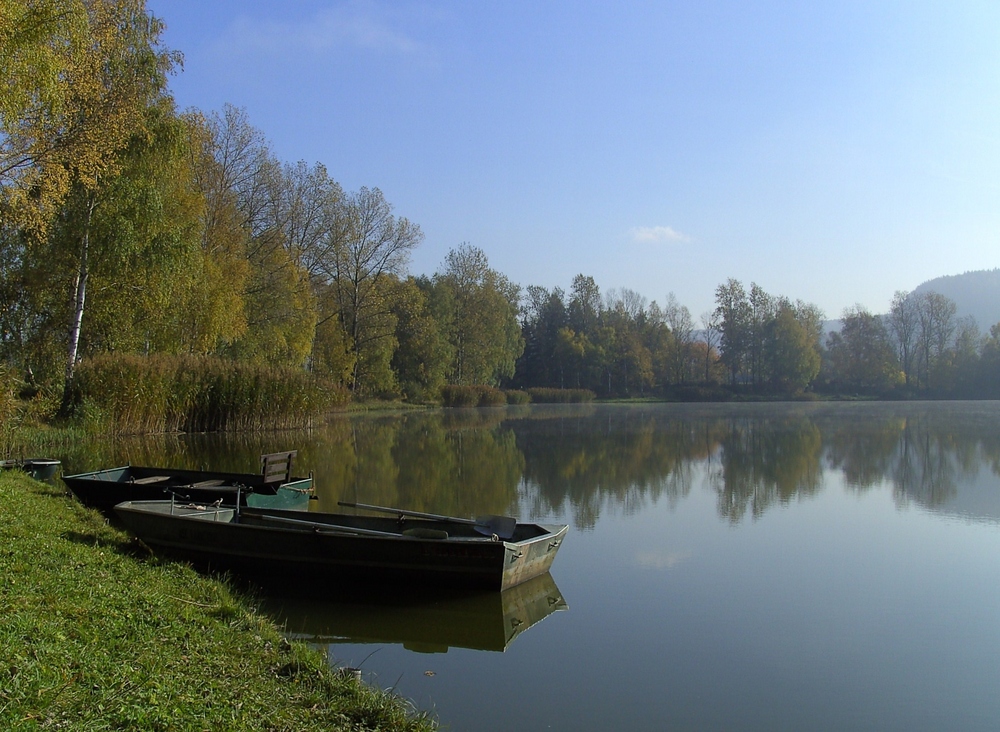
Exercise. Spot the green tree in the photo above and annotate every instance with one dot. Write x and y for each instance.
(213, 312)
(629, 363)
(584, 305)
(712, 334)
(988, 380)
(936, 326)
(903, 323)
(143, 227)
(74, 136)
(861, 357)
(423, 354)
(678, 319)
(574, 352)
(128, 244)
(366, 251)
(760, 314)
(78, 75)
(145, 234)
(485, 332)
(29, 306)
(544, 316)
(732, 312)
(793, 359)
(965, 355)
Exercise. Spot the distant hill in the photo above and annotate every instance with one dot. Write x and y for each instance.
(975, 293)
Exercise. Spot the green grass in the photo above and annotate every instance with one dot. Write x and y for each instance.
(96, 634)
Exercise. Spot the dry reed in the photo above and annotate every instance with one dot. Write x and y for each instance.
(133, 394)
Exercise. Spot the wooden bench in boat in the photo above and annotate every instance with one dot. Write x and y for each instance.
(149, 479)
(277, 467)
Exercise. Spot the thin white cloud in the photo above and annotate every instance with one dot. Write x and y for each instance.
(657, 234)
(361, 25)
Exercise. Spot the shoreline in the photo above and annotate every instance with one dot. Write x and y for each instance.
(97, 632)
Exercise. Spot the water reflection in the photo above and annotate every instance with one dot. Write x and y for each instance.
(744, 567)
(929, 455)
(425, 623)
(582, 461)
(762, 464)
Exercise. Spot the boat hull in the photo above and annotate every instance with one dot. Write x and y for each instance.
(268, 545)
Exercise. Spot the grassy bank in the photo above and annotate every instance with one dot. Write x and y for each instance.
(98, 635)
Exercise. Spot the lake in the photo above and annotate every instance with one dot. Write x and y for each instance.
(728, 567)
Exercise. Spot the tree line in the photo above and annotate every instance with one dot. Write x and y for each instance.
(130, 227)
(752, 343)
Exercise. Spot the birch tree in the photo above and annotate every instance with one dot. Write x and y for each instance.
(84, 74)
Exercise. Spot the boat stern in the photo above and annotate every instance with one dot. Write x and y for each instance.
(524, 560)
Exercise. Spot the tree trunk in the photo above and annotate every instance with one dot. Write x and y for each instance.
(79, 300)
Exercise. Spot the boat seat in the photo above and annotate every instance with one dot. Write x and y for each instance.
(150, 479)
(277, 467)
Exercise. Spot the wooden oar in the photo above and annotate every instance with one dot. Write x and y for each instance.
(500, 526)
(332, 528)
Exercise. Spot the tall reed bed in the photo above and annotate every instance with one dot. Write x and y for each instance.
(131, 394)
(561, 396)
(517, 396)
(455, 395)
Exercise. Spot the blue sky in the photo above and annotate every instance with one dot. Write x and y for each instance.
(832, 152)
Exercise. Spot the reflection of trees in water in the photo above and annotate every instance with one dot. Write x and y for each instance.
(766, 461)
(424, 461)
(862, 450)
(991, 450)
(925, 451)
(223, 451)
(619, 458)
(585, 460)
(932, 459)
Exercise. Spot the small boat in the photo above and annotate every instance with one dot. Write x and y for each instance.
(272, 544)
(274, 486)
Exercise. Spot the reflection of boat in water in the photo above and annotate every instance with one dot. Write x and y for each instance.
(430, 622)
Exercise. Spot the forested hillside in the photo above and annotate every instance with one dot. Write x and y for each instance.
(974, 293)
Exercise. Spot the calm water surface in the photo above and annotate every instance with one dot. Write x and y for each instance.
(729, 567)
